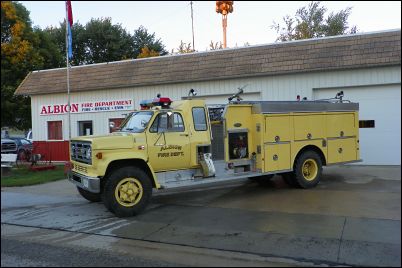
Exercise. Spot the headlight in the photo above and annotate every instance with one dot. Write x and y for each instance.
(88, 153)
(72, 150)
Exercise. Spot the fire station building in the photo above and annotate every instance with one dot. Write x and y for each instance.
(366, 67)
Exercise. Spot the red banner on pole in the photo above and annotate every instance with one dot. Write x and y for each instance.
(69, 13)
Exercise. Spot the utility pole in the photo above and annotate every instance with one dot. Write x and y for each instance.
(224, 8)
(192, 22)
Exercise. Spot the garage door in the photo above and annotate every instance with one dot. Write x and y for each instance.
(380, 145)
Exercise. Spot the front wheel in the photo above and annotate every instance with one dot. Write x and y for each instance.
(127, 191)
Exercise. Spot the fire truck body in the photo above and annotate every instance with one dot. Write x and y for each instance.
(169, 144)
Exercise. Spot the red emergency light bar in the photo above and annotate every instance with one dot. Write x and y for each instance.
(164, 102)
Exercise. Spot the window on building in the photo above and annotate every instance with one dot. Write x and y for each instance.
(114, 124)
(366, 123)
(54, 130)
(200, 122)
(85, 128)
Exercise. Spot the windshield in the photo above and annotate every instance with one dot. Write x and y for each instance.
(136, 122)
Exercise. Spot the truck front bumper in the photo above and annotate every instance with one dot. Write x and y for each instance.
(91, 184)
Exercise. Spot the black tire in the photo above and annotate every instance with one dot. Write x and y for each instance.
(311, 176)
(114, 199)
(93, 197)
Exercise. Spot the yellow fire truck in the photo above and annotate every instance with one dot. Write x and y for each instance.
(171, 144)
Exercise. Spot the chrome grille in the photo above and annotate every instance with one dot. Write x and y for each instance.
(78, 150)
(8, 146)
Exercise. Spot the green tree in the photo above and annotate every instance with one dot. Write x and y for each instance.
(141, 38)
(50, 53)
(101, 41)
(310, 22)
(18, 56)
(105, 42)
(58, 36)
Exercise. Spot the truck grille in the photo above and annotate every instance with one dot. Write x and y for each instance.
(8, 147)
(80, 168)
(78, 151)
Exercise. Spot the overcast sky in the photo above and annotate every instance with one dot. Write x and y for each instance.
(171, 20)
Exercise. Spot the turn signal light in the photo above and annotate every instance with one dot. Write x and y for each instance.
(99, 155)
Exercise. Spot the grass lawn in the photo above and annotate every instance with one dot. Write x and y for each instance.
(23, 176)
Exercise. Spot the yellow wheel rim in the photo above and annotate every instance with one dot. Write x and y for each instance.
(128, 192)
(310, 169)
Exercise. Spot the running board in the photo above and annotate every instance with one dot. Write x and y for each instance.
(187, 177)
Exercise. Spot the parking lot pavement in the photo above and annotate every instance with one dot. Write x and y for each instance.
(353, 217)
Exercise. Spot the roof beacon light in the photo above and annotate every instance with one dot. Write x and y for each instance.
(164, 102)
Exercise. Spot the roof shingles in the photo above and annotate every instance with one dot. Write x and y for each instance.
(350, 51)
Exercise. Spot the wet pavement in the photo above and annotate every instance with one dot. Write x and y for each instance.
(353, 217)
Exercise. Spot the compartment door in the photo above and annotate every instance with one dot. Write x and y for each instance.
(349, 152)
(341, 125)
(309, 126)
(341, 150)
(277, 157)
(278, 128)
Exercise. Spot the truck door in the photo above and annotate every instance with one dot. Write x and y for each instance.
(168, 142)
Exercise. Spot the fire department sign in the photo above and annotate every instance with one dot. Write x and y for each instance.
(87, 107)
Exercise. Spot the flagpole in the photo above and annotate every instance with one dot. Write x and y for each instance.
(68, 77)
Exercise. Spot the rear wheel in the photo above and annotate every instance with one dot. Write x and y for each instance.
(127, 191)
(307, 170)
(93, 197)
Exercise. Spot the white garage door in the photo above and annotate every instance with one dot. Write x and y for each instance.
(380, 145)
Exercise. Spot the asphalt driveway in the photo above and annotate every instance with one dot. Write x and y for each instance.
(353, 217)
